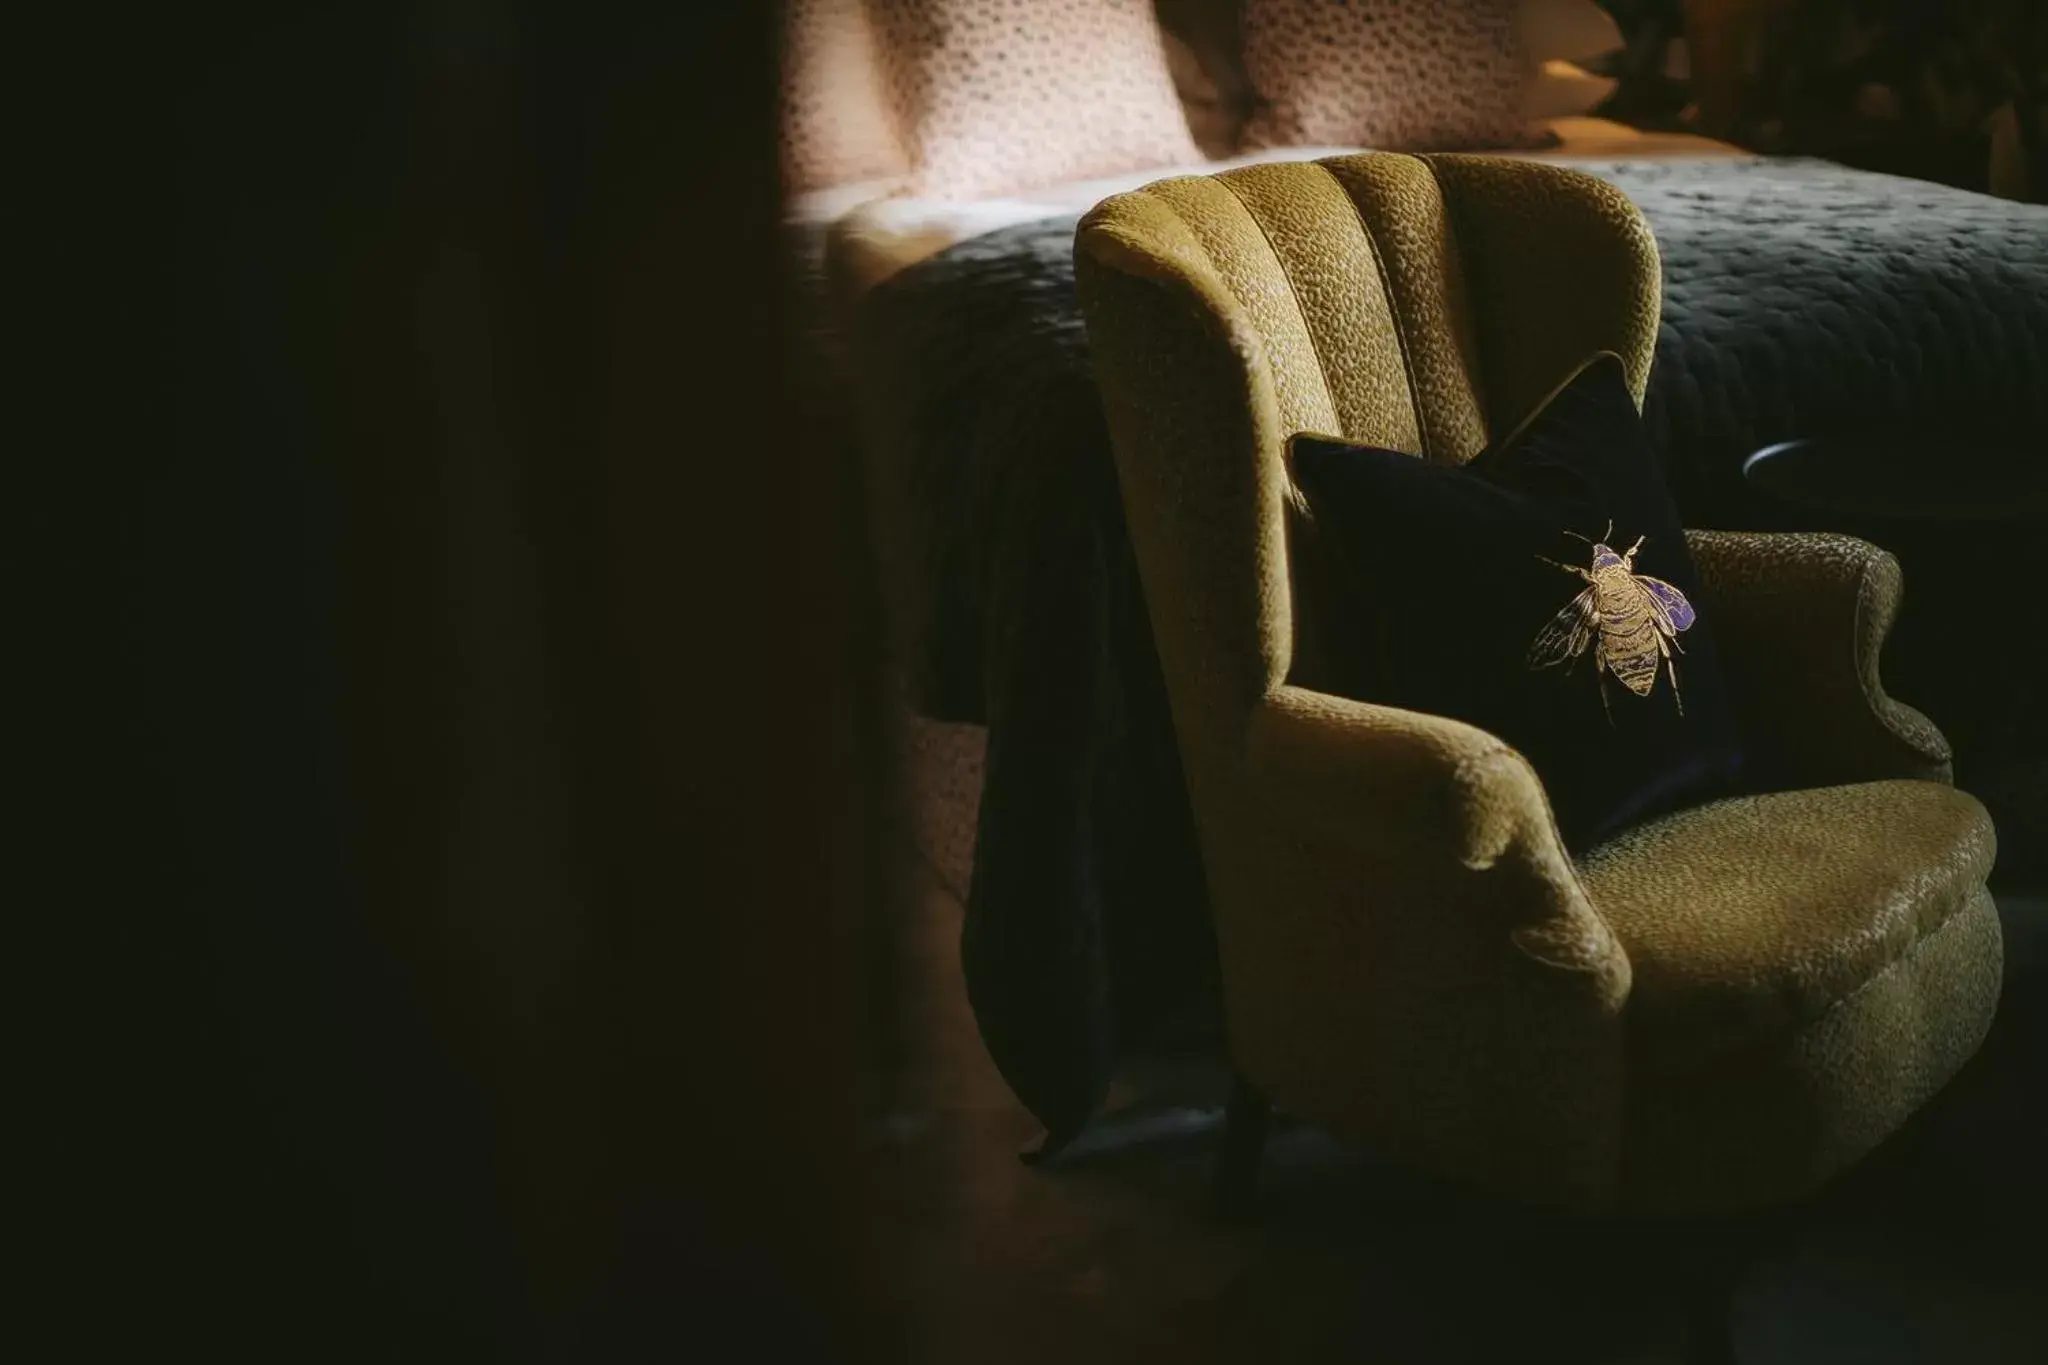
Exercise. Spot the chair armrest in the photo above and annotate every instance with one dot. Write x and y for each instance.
(1801, 619)
(1393, 782)
(1421, 924)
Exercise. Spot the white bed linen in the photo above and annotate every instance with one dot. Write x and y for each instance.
(874, 235)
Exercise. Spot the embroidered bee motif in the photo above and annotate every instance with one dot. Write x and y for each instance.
(1630, 620)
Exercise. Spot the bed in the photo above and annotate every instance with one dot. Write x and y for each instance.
(1801, 299)
(875, 236)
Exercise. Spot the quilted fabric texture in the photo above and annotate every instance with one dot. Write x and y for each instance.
(1408, 953)
(1796, 297)
(997, 96)
(1844, 303)
(1401, 75)
(838, 124)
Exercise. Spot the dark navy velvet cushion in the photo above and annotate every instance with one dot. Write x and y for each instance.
(1438, 588)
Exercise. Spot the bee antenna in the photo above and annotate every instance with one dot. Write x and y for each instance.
(1609, 532)
(1576, 536)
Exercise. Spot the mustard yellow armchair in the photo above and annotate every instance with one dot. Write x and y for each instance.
(1721, 1008)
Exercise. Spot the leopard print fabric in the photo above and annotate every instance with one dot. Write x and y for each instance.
(999, 96)
(838, 124)
(1396, 75)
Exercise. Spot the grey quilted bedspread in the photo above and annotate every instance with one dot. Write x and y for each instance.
(1800, 299)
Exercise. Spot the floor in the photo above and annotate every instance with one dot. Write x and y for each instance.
(1932, 1251)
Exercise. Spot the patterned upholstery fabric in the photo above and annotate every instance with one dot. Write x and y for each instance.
(997, 96)
(1775, 1121)
(1409, 954)
(1798, 607)
(1835, 886)
(1404, 75)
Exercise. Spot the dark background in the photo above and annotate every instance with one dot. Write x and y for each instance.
(461, 857)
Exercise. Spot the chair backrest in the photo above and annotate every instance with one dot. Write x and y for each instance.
(1416, 303)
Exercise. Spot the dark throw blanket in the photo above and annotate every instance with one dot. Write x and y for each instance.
(1800, 299)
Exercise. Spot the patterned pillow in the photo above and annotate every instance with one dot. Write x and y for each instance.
(1204, 51)
(1213, 123)
(1398, 75)
(837, 122)
(999, 96)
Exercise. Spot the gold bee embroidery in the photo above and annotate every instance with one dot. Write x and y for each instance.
(1631, 621)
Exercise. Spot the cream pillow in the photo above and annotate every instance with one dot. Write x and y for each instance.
(837, 121)
(999, 96)
(1561, 90)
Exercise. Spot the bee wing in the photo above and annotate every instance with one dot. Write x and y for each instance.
(1671, 607)
(1567, 634)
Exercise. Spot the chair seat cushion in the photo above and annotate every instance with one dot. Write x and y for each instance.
(1747, 919)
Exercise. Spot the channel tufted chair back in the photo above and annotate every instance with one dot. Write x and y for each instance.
(1409, 955)
(1339, 297)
